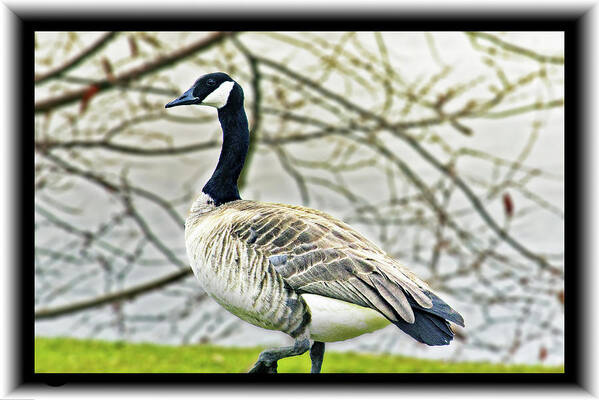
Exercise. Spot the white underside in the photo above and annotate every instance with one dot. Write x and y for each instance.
(334, 320)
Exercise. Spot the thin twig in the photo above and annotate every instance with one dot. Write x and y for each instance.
(78, 59)
(134, 73)
(517, 49)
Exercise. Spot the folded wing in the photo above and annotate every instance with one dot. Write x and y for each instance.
(316, 253)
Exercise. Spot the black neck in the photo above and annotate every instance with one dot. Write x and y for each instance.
(222, 186)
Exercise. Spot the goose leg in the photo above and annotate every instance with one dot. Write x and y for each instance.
(316, 355)
(267, 361)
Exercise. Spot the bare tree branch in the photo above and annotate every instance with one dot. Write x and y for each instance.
(124, 78)
(127, 294)
(78, 59)
(517, 49)
(476, 203)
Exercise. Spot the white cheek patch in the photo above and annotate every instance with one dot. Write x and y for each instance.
(218, 98)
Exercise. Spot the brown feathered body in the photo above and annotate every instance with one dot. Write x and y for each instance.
(292, 268)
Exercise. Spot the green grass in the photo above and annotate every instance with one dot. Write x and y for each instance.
(91, 356)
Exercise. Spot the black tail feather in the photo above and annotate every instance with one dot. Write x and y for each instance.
(440, 308)
(427, 328)
(431, 325)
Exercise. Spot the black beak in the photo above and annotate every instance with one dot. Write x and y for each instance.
(185, 98)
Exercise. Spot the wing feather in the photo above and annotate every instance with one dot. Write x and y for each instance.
(373, 299)
(315, 253)
(396, 299)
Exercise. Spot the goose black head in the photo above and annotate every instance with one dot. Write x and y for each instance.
(216, 90)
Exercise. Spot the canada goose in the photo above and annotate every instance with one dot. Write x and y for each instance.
(292, 268)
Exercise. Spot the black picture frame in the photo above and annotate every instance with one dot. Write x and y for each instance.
(576, 332)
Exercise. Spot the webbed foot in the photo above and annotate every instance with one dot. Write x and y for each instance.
(263, 367)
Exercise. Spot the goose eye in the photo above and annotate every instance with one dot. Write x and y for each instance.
(210, 82)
